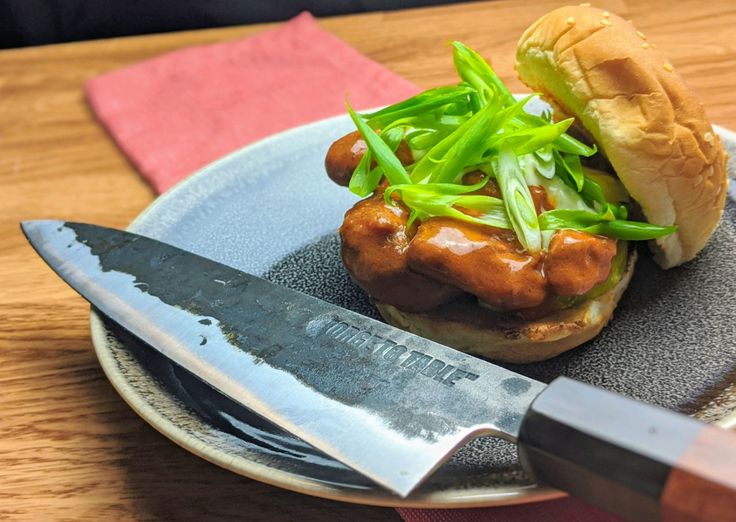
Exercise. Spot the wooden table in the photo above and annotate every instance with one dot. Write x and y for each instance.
(69, 446)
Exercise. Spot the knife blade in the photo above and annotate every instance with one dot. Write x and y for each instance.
(389, 404)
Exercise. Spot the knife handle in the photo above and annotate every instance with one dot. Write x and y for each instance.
(638, 461)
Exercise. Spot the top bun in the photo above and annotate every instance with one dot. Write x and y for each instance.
(598, 68)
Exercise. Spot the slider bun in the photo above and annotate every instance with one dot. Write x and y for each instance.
(596, 67)
(466, 326)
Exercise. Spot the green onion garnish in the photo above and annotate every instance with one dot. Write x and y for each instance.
(445, 199)
(570, 165)
(381, 151)
(479, 125)
(531, 139)
(605, 223)
(420, 104)
(517, 199)
(364, 180)
(544, 161)
(474, 70)
(449, 167)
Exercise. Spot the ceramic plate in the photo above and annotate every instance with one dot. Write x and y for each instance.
(269, 209)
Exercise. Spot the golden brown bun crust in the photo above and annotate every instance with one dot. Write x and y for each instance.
(468, 327)
(596, 67)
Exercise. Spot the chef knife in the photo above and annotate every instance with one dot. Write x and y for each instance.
(389, 404)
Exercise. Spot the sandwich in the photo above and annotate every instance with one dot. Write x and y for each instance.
(509, 234)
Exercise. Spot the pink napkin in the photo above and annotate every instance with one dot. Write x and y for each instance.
(174, 114)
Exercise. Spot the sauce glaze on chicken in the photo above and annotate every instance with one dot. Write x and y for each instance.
(422, 267)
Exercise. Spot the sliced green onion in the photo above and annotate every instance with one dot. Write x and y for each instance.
(472, 68)
(567, 143)
(592, 192)
(421, 103)
(364, 180)
(440, 199)
(604, 223)
(465, 147)
(619, 211)
(575, 219)
(504, 119)
(564, 143)
(544, 162)
(458, 108)
(569, 165)
(517, 199)
(423, 139)
(630, 230)
(492, 211)
(530, 139)
(570, 170)
(385, 158)
(436, 189)
(450, 120)
(412, 122)
(426, 167)
(393, 137)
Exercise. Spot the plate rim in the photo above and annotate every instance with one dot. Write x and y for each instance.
(449, 498)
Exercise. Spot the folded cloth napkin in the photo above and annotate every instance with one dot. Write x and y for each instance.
(174, 114)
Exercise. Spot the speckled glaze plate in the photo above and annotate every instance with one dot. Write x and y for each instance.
(269, 209)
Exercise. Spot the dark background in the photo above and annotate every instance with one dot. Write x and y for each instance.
(38, 22)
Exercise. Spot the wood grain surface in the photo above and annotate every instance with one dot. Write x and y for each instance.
(70, 448)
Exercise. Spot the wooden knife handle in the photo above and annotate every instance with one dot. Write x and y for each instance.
(638, 461)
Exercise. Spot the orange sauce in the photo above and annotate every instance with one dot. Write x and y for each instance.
(486, 262)
(442, 258)
(576, 261)
(374, 251)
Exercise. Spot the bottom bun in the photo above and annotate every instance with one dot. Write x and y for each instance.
(470, 328)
